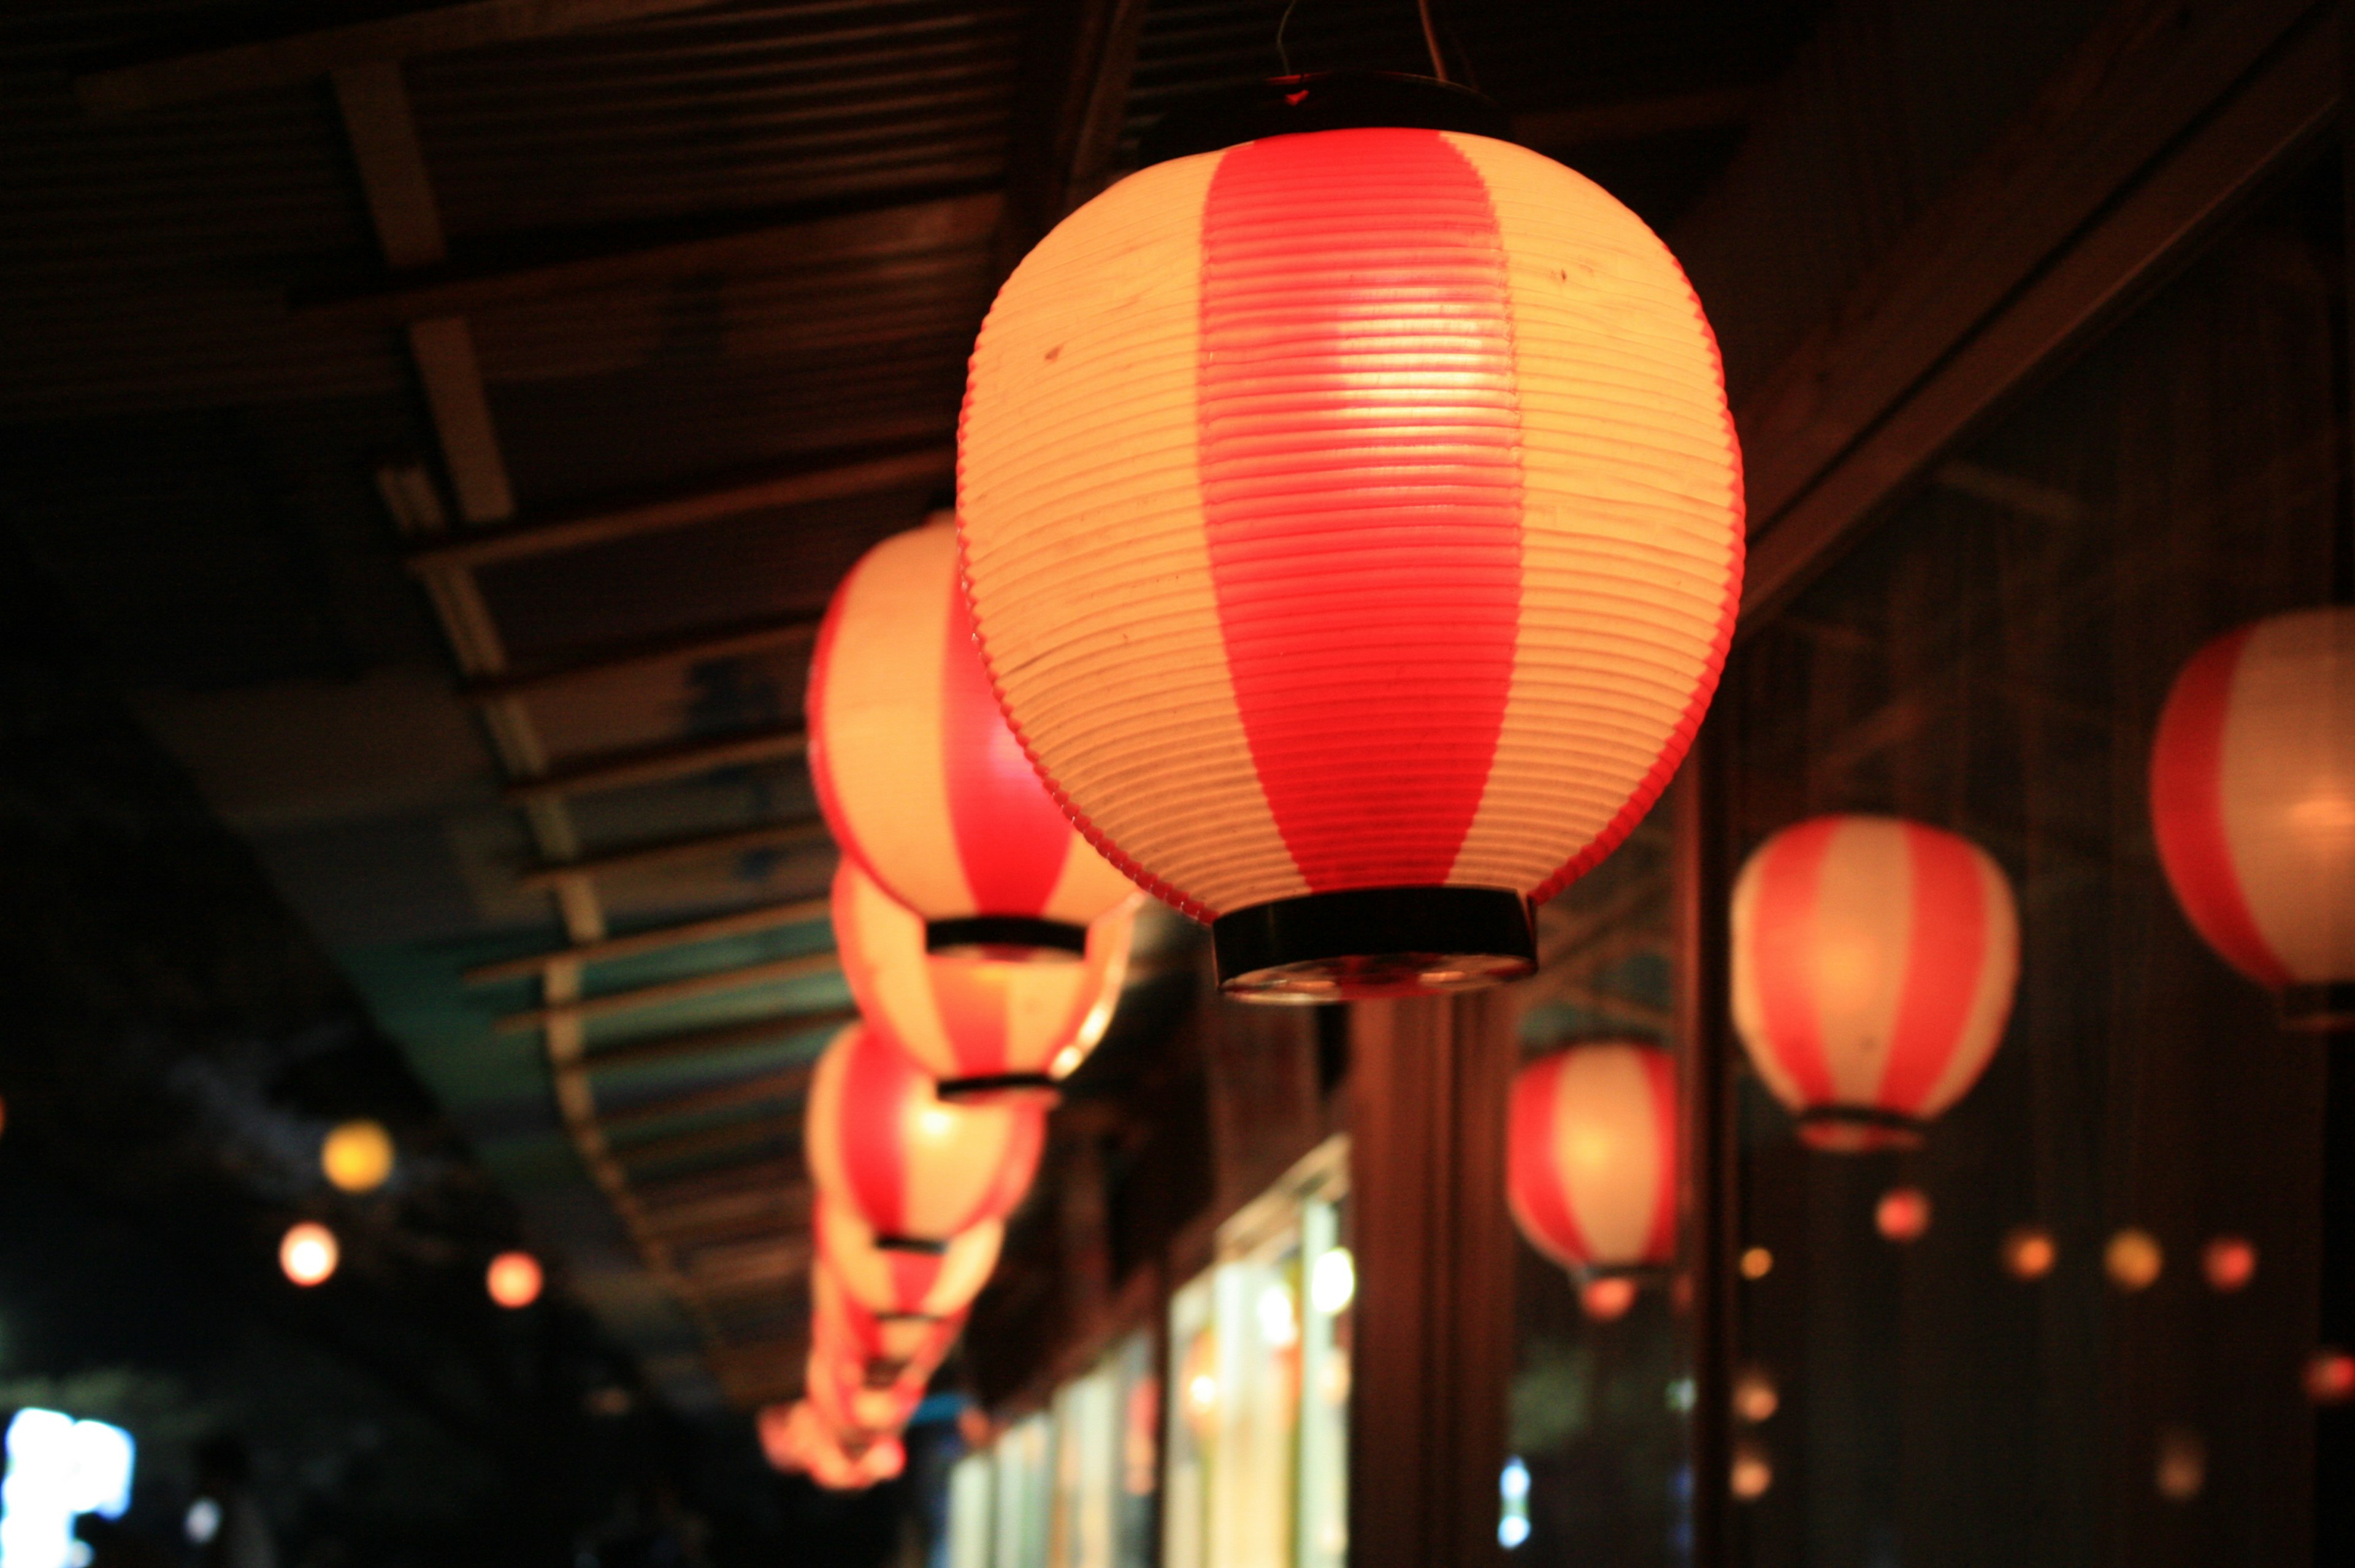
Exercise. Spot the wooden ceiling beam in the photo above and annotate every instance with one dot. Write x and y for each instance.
(752, 1132)
(1078, 57)
(686, 987)
(653, 764)
(288, 59)
(718, 1041)
(736, 923)
(1637, 119)
(797, 241)
(797, 487)
(669, 852)
(622, 658)
(788, 1083)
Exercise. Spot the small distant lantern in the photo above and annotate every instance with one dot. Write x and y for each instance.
(900, 1282)
(870, 1338)
(1874, 960)
(855, 1403)
(2330, 1377)
(1902, 1214)
(514, 1280)
(984, 1028)
(2230, 1263)
(1590, 1158)
(1752, 1473)
(1608, 1297)
(2132, 1259)
(2252, 802)
(2028, 1251)
(1353, 525)
(308, 1253)
(357, 1156)
(1756, 1263)
(917, 1168)
(1755, 1397)
(921, 782)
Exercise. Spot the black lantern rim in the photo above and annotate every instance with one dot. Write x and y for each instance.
(1371, 943)
(1320, 101)
(1004, 936)
(2319, 1009)
(992, 1086)
(917, 1245)
(1859, 1129)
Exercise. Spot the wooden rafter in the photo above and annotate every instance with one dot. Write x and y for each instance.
(685, 987)
(769, 634)
(670, 851)
(737, 923)
(652, 764)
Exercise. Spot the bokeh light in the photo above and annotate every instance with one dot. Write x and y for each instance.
(2331, 1376)
(514, 1279)
(2028, 1251)
(2230, 1263)
(2132, 1259)
(1902, 1214)
(2183, 1469)
(357, 1156)
(1607, 1300)
(1752, 1471)
(1755, 1396)
(1757, 1263)
(309, 1253)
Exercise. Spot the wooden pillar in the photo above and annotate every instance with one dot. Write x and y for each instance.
(1433, 1331)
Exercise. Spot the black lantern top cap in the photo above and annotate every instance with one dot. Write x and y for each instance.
(1325, 101)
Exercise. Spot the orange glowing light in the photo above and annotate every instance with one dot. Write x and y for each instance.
(1902, 1214)
(1753, 1472)
(2028, 1251)
(2331, 1376)
(1757, 1263)
(1608, 1299)
(2132, 1259)
(1755, 1398)
(2181, 1471)
(308, 1253)
(1591, 1156)
(513, 1279)
(357, 1156)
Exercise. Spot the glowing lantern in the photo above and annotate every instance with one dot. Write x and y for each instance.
(1755, 1398)
(795, 1439)
(1873, 967)
(1590, 1158)
(514, 1279)
(1608, 1299)
(2132, 1259)
(2252, 800)
(864, 1336)
(2329, 1376)
(2230, 1263)
(917, 1168)
(1353, 525)
(898, 1281)
(921, 780)
(308, 1253)
(1902, 1214)
(2028, 1251)
(857, 1400)
(983, 1028)
(357, 1156)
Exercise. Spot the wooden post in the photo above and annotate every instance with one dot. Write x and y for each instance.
(1434, 1351)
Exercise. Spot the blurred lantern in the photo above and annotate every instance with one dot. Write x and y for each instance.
(2230, 1263)
(1752, 1472)
(1757, 1263)
(1873, 967)
(859, 1399)
(839, 1322)
(514, 1279)
(2181, 1470)
(2252, 800)
(796, 1439)
(897, 1282)
(1755, 1400)
(1902, 1214)
(985, 1028)
(1608, 1299)
(1197, 1391)
(2028, 1251)
(917, 1168)
(2132, 1259)
(357, 1156)
(308, 1252)
(1591, 1157)
(2331, 1376)
(1352, 521)
(919, 777)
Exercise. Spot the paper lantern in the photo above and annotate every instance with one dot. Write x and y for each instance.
(896, 1281)
(857, 1403)
(864, 1336)
(1353, 525)
(795, 1439)
(2252, 800)
(1874, 960)
(982, 1027)
(920, 779)
(917, 1168)
(1590, 1158)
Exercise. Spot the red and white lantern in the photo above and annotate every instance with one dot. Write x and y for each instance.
(1590, 1158)
(859, 1335)
(795, 1439)
(982, 1029)
(860, 1400)
(1874, 960)
(917, 1168)
(900, 1282)
(2252, 800)
(920, 779)
(1353, 527)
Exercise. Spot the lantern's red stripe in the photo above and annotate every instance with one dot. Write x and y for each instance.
(1011, 838)
(1540, 1183)
(914, 1274)
(2186, 809)
(1361, 490)
(878, 1084)
(1782, 931)
(1945, 952)
(971, 1000)
(1660, 1077)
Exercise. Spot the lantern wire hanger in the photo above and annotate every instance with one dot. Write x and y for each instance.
(1422, 13)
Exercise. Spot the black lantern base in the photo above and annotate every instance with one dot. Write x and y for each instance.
(998, 1088)
(912, 1244)
(1857, 1129)
(1006, 936)
(2319, 1009)
(1370, 942)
